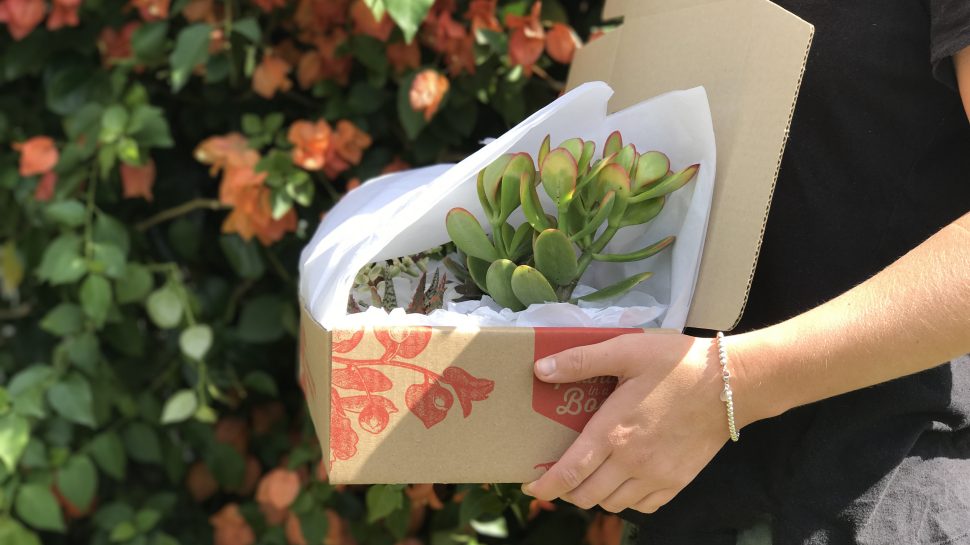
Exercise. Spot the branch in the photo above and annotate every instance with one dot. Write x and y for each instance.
(180, 210)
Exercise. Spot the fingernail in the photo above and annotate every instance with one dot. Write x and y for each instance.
(527, 489)
(546, 366)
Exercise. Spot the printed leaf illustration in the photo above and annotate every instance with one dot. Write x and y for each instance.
(344, 341)
(467, 387)
(429, 402)
(343, 438)
(403, 342)
(362, 379)
(375, 416)
(356, 404)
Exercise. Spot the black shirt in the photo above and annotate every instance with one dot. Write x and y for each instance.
(878, 160)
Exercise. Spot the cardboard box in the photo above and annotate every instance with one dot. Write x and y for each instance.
(435, 404)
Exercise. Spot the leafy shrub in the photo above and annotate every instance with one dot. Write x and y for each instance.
(161, 165)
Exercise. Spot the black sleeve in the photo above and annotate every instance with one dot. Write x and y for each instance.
(949, 34)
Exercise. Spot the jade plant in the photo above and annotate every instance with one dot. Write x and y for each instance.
(543, 259)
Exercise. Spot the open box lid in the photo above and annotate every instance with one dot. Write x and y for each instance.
(750, 56)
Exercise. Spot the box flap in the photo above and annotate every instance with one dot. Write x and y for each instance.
(750, 56)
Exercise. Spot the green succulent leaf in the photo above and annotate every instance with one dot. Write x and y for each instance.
(669, 184)
(602, 213)
(614, 143)
(544, 149)
(531, 287)
(638, 255)
(521, 242)
(651, 167)
(483, 196)
(492, 178)
(469, 235)
(575, 146)
(555, 257)
(477, 269)
(613, 177)
(626, 158)
(589, 149)
(642, 212)
(520, 170)
(616, 290)
(558, 175)
(498, 279)
(531, 206)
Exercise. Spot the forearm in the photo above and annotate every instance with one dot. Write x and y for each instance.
(910, 317)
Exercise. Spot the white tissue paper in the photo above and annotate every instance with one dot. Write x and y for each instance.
(404, 213)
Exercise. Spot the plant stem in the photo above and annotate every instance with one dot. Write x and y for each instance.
(180, 210)
(89, 213)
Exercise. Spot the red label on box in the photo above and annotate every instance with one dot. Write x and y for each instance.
(572, 405)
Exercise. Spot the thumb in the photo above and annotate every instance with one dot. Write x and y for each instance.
(604, 359)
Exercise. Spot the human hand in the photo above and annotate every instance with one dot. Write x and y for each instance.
(663, 423)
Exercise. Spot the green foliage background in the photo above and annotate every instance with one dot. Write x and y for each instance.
(142, 350)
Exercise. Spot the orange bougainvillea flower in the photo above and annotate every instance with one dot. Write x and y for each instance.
(320, 16)
(253, 217)
(527, 39)
(536, 506)
(349, 143)
(365, 23)
(45, 187)
(424, 495)
(21, 16)
(269, 5)
(137, 181)
(276, 492)
(152, 10)
(115, 45)
(450, 38)
(397, 165)
(561, 43)
(64, 14)
(482, 15)
(403, 56)
(270, 76)
(230, 528)
(427, 91)
(201, 483)
(323, 63)
(233, 431)
(605, 530)
(311, 141)
(294, 533)
(38, 155)
(199, 10)
(217, 150)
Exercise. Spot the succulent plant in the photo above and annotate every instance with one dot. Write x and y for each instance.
(543, 259)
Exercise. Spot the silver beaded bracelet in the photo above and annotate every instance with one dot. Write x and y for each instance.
(727, 396)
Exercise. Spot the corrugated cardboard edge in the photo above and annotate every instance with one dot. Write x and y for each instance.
(316, 343)
(736, 226)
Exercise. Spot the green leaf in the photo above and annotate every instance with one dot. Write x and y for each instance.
(262, 382)
(124, 531)
(70, 84)
(247, 27)
(149, 127)
(469, 235)
(14, 533)
(408, 14)
(617, 289)
(479, 503)
(109, 453)
(95, 297)
(77, 480)
(135, 285)
(109, 260)
(162, 538)
(227, 465)
(84, 350)
(113, 122)
(262, 319)
(244, 257)
(110, 231)
(14, 435)
(555, 257)
(498, 280)
(35, 504)
(531, 287)
(27, 390)
(148, 41)
(377, 8)
(181, 406)
(191, 49)
(71, 398)
(412, 121)
(142, 443)
(62, 262)
(496, 527)
(64, 319)
(67, 213)
(370, 52)
(382, 500)
(195, 341)
(165, 307)
(146, 519)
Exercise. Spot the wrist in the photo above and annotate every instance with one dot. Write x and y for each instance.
(751, 359)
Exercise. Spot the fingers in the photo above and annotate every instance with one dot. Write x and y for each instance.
(576, 465)
(607, 358)
(655, 501)
(603, 482)
(627, 496)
